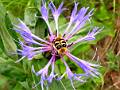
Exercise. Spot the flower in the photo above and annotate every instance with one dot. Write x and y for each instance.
(58, 44)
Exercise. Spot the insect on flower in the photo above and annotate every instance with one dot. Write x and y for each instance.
(58, 45)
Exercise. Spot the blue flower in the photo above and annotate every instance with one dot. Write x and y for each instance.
(58, 44)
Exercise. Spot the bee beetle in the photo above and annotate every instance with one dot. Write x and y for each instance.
(60, 45)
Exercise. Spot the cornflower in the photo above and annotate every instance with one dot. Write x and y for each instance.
(59, 45)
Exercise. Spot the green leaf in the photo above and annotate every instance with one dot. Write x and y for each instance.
(41, 28)
(56, 85)
(1, 44)
(30, 16)
(4, 85)
(18, 87)
(25, 85)
(9, 45)
(102, 13)
(16, 7)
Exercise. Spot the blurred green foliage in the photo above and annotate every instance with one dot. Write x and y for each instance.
(18, 76)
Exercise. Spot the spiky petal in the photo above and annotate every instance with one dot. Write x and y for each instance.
(56, 13)
(43, 73)
(87, 67)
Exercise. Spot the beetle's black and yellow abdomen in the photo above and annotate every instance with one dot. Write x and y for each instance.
(60, 45)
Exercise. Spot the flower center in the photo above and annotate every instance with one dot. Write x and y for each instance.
(60, 45)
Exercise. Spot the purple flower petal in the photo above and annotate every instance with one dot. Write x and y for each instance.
(60, 8)
(71, 75)
(87, 67)
(26, 33)
(30, 52)
(43, 73)
(44, 13)
(52, 7)
(52, 74)
(89, 36)
(72, 18)
(56, 13)
(80, 20)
